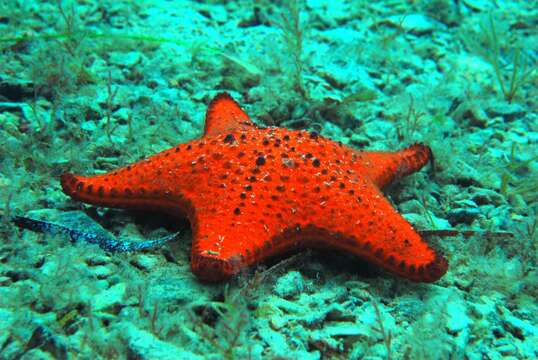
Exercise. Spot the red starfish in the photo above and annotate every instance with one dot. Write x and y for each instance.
(251, 193)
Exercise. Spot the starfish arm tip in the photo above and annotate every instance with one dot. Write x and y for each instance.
(213, 269)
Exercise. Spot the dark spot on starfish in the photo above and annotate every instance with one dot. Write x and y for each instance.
(316, 162)
(229, 139)
(189, 147)
(333, 178)
(101, 191)
(248, 187)
(281, 188)
(260, 160)
(129, 167)
(412, 269)
(406, 242)
(265, 141)
(284, 177)
(308, 155)
(341, 185)
(274, 198)
(141, 191)
(314, 135)
(402, 265)
(89, 189)
(292, 149)
(243, 137)
(80, 186)
(252, 178)
(351, 191)
(240, 154)
(127, 192)
(317, 189)
(286, 137)
(237, 211)
(243, 195)
(324, 171)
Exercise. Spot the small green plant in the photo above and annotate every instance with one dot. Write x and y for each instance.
(293, 34)
(111, 95)
(526, 186)
(381, 330)
(228, 337)
(406, 129)
(528, 232)
(512, 81)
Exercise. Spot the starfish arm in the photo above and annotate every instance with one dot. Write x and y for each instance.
(373, 230)
(225, 115)
(161, 182)
(386, 167)
(231, 235)
(222, 248)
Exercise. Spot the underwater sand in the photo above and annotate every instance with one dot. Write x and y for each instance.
(87, 86)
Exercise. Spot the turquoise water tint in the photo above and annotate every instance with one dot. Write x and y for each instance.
(89, 85)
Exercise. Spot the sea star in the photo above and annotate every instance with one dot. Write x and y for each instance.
(251, 193)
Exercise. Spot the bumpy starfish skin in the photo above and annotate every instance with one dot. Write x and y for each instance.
(251, 193)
